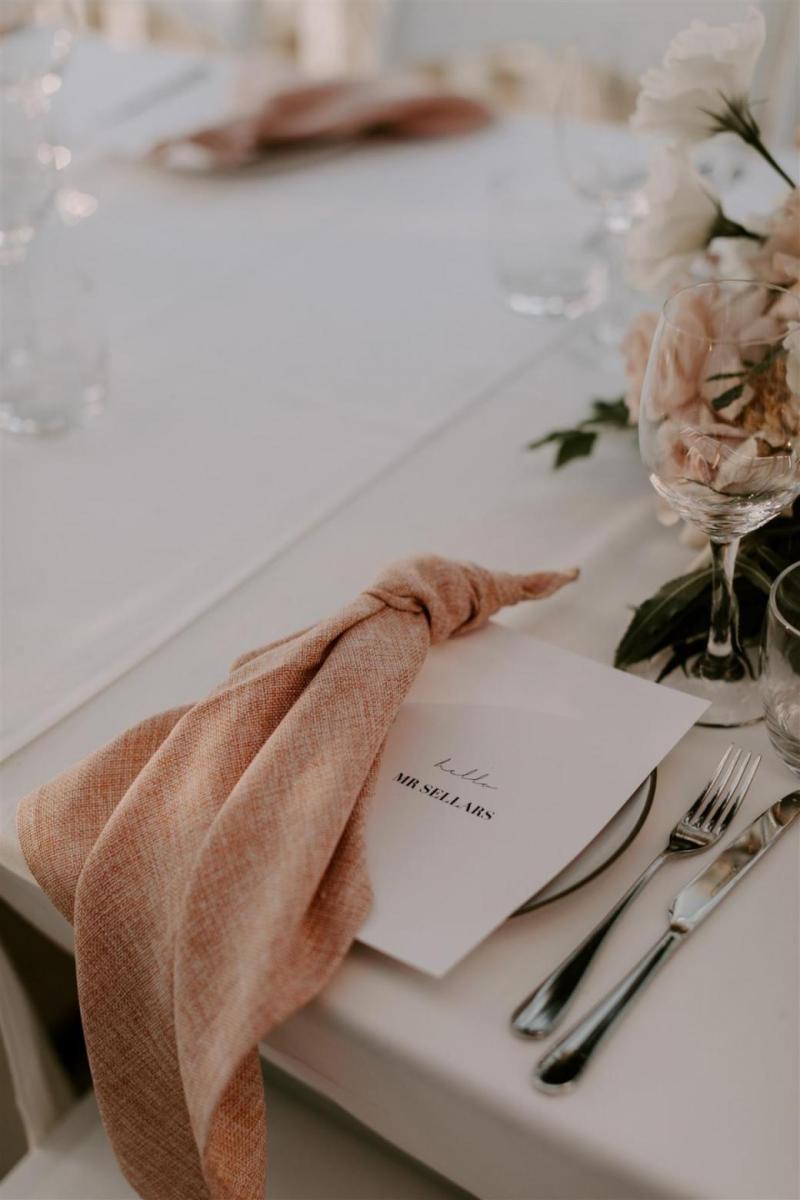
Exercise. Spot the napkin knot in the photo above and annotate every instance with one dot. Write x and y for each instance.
(213, 862)
(457, 597)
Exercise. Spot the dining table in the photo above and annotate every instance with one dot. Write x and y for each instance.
(313, 371)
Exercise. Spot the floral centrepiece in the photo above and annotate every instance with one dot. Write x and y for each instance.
(722, 394)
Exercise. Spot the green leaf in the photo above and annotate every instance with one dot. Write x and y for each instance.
(555, 436)
(772, 562)
(750, 571)
(727, 397)
(579, 443)
(725, 375)
(653, 625)
(610, 412)
(680, 656)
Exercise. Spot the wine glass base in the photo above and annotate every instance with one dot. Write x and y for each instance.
(731, 704)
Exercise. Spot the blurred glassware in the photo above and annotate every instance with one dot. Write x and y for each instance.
(36, 37)
(780, 666)
(27, 175)
(544, 268)
(52, 367)
(52, 359)
(606, 164)
(35, 42)
(719, 430)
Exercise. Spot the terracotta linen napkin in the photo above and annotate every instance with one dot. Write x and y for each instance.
(211, 860)
(321, 113)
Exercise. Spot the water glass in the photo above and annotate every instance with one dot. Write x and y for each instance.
(52, 352)
(544, 257)
(780, 666)
(27, 174)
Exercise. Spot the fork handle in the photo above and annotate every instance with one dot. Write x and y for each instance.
(537, 1015)
(562, 1065)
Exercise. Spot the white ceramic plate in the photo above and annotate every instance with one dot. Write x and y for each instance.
(602, 851)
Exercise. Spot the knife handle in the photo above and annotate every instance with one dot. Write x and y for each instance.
(567, 1060)
(537, 1014)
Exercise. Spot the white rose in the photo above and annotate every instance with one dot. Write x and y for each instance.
(704, 66)
(791, 344)
(681, 217)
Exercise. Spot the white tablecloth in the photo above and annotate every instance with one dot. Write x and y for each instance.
(276, 340)
(697, 1094)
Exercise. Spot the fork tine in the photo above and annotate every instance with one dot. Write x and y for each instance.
(715, 792)
(728, 794)
(744, 788)
(710, 785)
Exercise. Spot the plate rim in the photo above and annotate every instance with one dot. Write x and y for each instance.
(532, 904)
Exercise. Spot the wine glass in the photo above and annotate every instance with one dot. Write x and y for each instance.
(36, 39)
(51, 358)
(606, 164)
(719, 430)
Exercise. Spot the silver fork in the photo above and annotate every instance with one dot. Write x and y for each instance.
(698, 829)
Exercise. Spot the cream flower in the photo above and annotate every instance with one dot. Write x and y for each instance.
(682, 215)
(704, 66)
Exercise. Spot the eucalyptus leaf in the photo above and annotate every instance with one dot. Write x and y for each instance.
(578, 444)
(611, 412)
(759, 578)
(652, 619)
(680, 656)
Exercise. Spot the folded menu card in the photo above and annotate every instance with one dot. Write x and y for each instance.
(507, 758)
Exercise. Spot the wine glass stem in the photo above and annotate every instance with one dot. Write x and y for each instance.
(722, 657)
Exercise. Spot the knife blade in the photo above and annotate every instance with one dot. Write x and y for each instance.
(566, 1061)
(702, 894)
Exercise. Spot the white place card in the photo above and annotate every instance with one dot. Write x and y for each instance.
(507, 758)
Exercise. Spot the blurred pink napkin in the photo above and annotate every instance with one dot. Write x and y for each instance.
(326, 113)
(212, 862)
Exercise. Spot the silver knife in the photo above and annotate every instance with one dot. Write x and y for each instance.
(563, 1065)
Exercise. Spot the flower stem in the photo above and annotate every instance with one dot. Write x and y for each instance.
(761, 149)
(737, 116)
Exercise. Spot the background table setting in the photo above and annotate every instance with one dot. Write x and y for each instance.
(313, 343)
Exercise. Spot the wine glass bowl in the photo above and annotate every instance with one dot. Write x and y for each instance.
(719, 430)
(605, 163)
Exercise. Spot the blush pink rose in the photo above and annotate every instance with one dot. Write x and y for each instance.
(782, 247)
(678, 370)
(635, 351)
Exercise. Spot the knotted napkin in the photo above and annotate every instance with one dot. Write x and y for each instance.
(211, 860)
(320, 113)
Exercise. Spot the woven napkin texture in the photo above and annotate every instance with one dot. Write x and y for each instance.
(211, 860)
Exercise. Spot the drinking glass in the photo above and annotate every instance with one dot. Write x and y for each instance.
(36, 38)
(52, 352)
(51, 356)
(27, 174)
(546, 263)
(719, 430)
(780, 666)
(606, 164)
